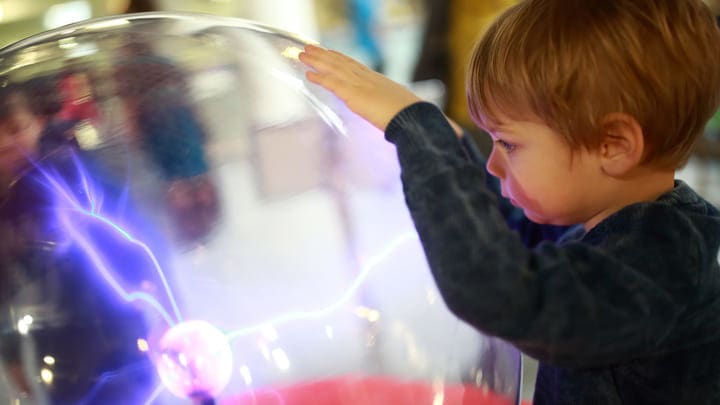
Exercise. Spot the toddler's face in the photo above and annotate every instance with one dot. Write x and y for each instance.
(541, 174)
(19, 135)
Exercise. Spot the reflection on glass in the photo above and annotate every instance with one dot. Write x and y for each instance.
(184, 218)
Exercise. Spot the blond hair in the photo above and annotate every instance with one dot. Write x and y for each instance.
(570, 63)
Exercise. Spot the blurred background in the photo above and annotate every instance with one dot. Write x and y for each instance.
(422, 43)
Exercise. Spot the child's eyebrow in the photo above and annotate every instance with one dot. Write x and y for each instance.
(491, 127)
(496, 124)
(498, 129)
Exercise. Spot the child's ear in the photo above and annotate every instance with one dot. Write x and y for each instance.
(623, 144)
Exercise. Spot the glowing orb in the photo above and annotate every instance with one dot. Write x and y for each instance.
(194, 360)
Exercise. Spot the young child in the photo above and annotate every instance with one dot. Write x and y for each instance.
(592, 105)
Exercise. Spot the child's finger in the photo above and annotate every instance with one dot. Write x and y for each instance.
(328, 82)
(348, 61)
(314, 77)
(316, 62)
(312, 48)
(327, 60)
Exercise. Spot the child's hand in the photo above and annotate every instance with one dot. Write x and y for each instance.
(367, 93)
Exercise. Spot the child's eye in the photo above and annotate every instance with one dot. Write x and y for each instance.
(507, 146)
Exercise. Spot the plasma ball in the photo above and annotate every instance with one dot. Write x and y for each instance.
(194, 360)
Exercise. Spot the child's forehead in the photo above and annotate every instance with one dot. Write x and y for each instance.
(504, 119)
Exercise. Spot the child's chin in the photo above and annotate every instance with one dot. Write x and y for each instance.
(537, 218)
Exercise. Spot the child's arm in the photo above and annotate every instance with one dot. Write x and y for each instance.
(570, 305)
(573, 305)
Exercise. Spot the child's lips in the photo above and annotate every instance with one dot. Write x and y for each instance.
(512, 201)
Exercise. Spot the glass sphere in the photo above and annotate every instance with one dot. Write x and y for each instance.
(185, 219)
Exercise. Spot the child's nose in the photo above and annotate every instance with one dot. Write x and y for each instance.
(493, 164)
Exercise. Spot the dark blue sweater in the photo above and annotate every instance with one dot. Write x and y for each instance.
(627, 313)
